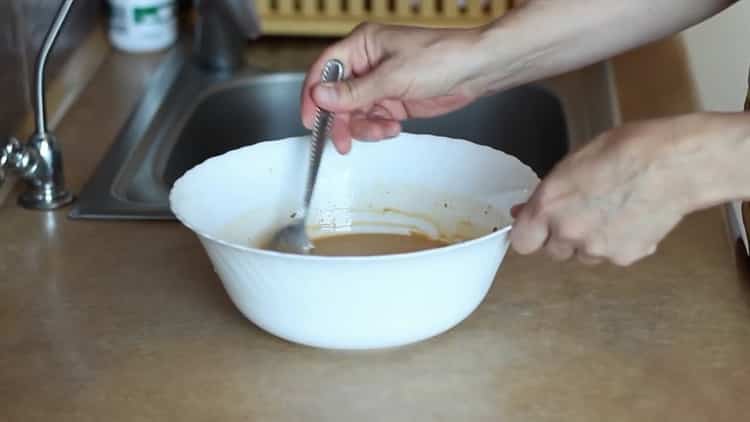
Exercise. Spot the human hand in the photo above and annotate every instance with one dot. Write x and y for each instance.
(616, 198)
(393, 73)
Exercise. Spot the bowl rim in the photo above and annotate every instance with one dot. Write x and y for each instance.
(502, 231)
(401, 255)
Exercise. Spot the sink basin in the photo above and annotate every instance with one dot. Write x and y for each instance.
(267, 107)
(188, 116)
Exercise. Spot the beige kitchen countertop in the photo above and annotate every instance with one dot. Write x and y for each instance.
(126, 321)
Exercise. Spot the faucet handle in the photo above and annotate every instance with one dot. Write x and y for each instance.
(242, 12)
(222, 30)
(239, 13)
(6, 152)
(4, 155)
(12, 155)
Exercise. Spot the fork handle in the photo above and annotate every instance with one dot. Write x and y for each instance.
(333, 71)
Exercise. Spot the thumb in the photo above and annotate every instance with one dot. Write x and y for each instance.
(349, 94)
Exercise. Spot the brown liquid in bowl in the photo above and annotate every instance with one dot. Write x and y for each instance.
(369, 244)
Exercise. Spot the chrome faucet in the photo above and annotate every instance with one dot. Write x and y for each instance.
(222, 30)
(39, 161)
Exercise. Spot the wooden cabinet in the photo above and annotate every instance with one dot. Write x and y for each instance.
(338, 17)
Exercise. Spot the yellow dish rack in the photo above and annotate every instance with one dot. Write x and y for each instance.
(339, 17)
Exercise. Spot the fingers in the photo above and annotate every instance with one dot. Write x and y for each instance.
(360, 52)
(347, 98)
(564, 250)
(559, 250)
(601, 203)
(354, 93)
(373, 126)
(340, 135)
(312, 78)
(532, 235)
(528, 234)
(363, 127)
(363, 86)
(307, 104)
(587, 259)
(565, 239)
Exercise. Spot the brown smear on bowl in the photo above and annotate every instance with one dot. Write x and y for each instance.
(372, 244)
(332, 243)
(378, 244)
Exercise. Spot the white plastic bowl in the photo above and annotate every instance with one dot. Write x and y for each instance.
(439, 186)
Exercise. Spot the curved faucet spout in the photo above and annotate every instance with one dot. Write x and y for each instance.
(222, 30)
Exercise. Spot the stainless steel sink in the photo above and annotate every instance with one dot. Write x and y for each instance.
(188, 116)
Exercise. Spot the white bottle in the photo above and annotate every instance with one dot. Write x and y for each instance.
(139, 26)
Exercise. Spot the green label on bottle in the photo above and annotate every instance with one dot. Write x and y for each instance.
(153, 14)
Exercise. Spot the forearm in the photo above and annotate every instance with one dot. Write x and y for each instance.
(547, 37)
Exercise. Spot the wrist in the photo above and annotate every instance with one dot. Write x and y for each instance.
(721, 144)
(469, 61)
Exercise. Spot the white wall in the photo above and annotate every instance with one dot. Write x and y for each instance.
(719, 55)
